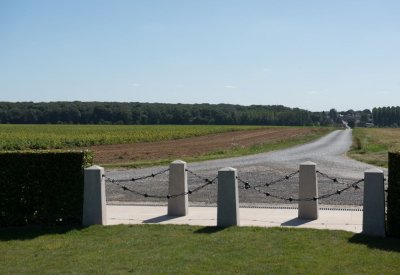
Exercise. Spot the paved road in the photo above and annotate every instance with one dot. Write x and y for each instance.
(329, 153)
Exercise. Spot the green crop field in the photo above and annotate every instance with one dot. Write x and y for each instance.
(21, 137)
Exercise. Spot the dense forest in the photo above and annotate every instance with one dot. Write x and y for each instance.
(159, 113)
(386, 116)
(156, 113)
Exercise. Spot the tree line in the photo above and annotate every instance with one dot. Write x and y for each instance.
(386, 116)
(158, 113)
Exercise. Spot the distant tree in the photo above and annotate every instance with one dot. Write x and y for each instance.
(386, 116)
(333, 114)
(367, 111)
(351, 122)
(157, 113)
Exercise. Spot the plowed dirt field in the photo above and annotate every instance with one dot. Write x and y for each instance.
(189, 147)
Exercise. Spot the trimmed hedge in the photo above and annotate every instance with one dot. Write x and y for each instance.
(42, 187)
(393, 197)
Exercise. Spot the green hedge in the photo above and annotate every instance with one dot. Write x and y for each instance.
(42, 187)
(393, 198)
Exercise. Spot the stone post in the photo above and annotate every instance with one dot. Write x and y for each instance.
(178, 206)
(94, 196)
(374, 203)
(228, 198)
(308, 188)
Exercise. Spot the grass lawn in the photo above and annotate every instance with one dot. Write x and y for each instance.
(371, 145)
(171, 249)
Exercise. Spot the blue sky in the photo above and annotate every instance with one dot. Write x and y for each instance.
(315, 55)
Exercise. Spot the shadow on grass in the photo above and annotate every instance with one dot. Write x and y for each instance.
(32, 232)
(209, 230)
(387, 244)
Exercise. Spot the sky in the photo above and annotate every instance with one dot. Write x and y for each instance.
(314, 55)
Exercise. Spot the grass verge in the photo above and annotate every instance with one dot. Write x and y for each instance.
(171, 249)
(371, 145)
(233, 152)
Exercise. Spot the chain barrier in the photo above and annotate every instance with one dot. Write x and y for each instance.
(153, 175)
(169, 196)
(247, 185)
(267, 184)
(200, 177)
(335, 180)
(291, 199)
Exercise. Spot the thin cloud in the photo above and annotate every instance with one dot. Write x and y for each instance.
(180, 85)
(230, 87)
(135, 85)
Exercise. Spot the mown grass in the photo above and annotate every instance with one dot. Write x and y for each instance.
(177, 249)
(22, 137)
(371, 145)
(267, 146)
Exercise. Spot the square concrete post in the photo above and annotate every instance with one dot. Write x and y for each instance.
(228, 198)
(177, 185)
(94, 196)
(374, 203)
(308, 188)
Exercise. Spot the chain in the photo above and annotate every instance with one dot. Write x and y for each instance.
(267, 184)
(153, 175)
(200, 177)
(333, 179)
(169, 196)
(246, 186)
(290, 199)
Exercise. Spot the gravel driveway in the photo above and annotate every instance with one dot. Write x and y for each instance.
(329, 153)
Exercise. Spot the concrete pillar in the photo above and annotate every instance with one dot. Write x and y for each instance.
(374, 203)
(308, 188)
(177, 185)
(228, 198)
(94, 196)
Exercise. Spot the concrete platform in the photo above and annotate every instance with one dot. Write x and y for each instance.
(333, 219)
